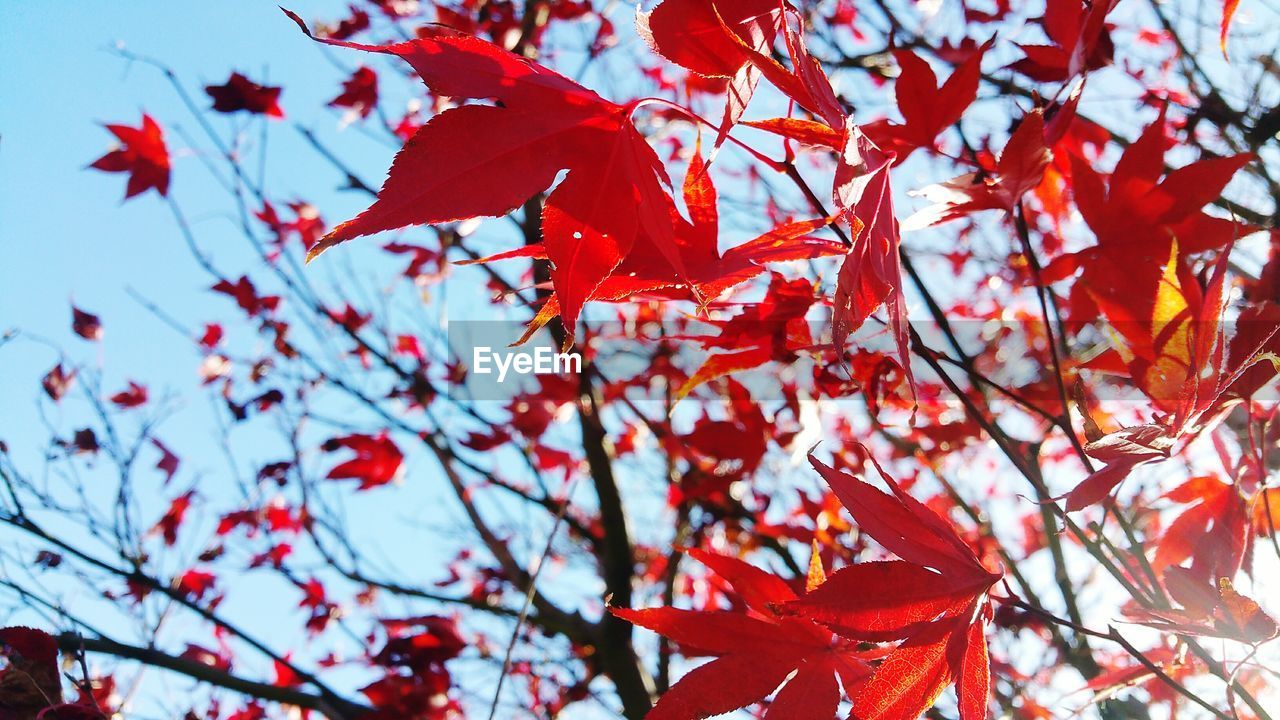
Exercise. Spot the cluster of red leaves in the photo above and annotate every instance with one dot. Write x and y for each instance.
(932, 601)
(416, 683)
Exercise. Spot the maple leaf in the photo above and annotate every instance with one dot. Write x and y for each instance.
(1182, 361)
(706, 36)
(246, 296)
(131, 397)
(927, 109)
(773, 329)
(1018, 170)
(1120, 452)
(1207, 610)
(933, 599)
(645, 273)
(1213, 531)
(485, 160)
(871, 275)
(211, 336)
(754, 652)
(1137, 216)
(86, 325)
(143, 154)
(58, 381)
(240, 93)
(168, 462)
(711, 38)
(196, 583)
(1080, 40)
(377, 462)
(172, 519)
(359, 92)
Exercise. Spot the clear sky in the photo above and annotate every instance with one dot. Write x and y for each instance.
(65, 233)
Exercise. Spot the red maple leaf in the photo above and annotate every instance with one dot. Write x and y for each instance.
(871, 275)
(1213, 530)
(377, 462)
(168, 462)
(1208, 610)
(1018, 170)
(934, 599)
(143, 154)
(773, 329)
(711, 38)
(240, 93)
(131, 397)
(754, 652)
(172, 519)
(196, 583)
(58, 381)
(485, 160)
(359, 92)
(29, 680)
(1136, 213)
(1181, 360)
(86, 325)
(1080, 38)
(927, 110)
(645, 273)
(246, 295)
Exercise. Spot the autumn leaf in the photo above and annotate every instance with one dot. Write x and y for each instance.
(130, 397)
(871, 275)
(927, 109)
(485, 160)
(167, 526)
(1212, 531)
(773, 329)
(143, 154)
(58, 381)
(753, 652)
(359, 92)
(1019, 169)
(1208, 610)
(240, 93)
(933, 599)
(1120, 452)
(168, 462)
(646, 274)
(712, 38)
(377, 460)
(1080, 41)
(85, 324)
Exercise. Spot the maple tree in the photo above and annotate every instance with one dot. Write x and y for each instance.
(927, 368)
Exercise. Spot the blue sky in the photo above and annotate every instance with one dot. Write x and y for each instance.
(66, 234)
(64, 231)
